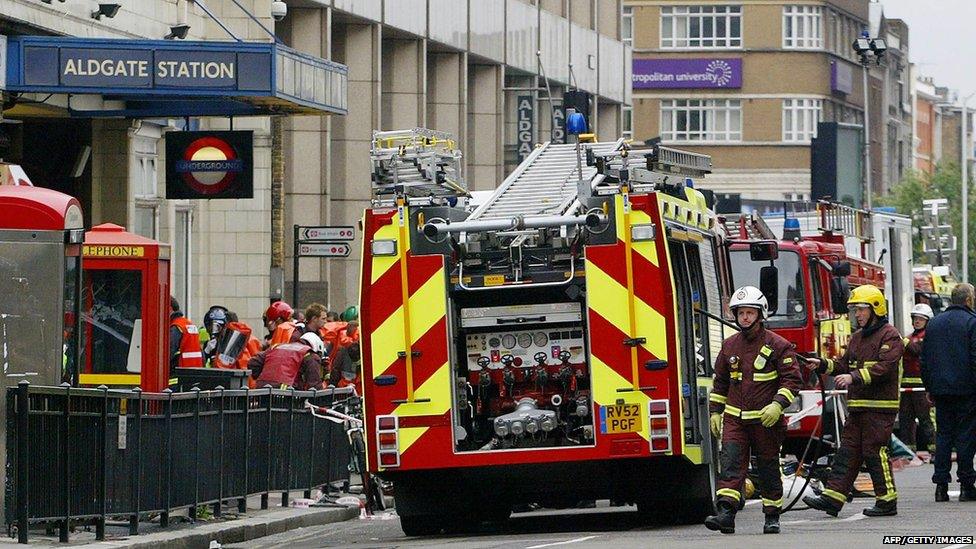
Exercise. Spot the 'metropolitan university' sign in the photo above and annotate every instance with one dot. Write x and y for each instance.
(687, 73)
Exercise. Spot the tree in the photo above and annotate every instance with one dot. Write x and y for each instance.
(907, 196)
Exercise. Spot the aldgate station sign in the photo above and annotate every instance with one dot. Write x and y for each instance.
(140, 68)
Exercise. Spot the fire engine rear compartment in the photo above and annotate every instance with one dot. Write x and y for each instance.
(521, 368)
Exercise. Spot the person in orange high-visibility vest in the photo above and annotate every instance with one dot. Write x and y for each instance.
(184, 340)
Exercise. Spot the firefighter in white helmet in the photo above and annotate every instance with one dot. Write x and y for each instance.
(756, 376)
(915, 403)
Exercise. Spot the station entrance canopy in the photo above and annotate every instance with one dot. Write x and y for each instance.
(164, 78)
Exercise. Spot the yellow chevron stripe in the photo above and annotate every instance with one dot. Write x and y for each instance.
(383, 263)
(645, 248)
(606, 381)
(409, 435)
(437, 389)
(427, 306)
(608, 298)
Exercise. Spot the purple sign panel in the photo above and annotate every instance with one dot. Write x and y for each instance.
(841, 77)
(687, 73)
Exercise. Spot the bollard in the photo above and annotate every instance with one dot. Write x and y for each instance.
(137, 455)
(103, 468)
(65, 433)
(220, 460)
(242, 501)
(168, 479)
(23, 461)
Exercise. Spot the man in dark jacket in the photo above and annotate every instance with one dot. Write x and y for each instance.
(869, 370)
(949, 375)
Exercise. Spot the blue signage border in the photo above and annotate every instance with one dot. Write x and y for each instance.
(164, 77)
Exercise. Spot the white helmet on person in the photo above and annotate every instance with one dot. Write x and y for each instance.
(750, 296)
(315, 342)
(923, 310)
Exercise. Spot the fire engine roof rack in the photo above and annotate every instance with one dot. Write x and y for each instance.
(845, 220)
(422, 165)
(661, 168)
(746, 227)
(544, 184)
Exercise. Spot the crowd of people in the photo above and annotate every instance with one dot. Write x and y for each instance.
(886, 378)
(311, 349)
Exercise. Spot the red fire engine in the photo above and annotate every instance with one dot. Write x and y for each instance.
(815, 274)
(542, 346)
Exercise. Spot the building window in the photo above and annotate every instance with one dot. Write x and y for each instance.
(701, 27)
(803, 27)
(182, 251)
(800, 118)
(627, 122)
(701, 120)
(627, 26)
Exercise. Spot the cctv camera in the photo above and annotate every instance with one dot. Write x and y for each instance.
(279, 10)
(177, 31)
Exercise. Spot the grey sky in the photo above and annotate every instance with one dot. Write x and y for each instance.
(942, 41)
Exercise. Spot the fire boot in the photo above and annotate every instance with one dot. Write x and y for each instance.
(772, 524)
(942, 492)
(822, 503)
(882, 509)
(967, 492)
(724, 521)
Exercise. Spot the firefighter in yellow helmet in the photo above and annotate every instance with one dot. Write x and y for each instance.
(869, 370)
(756, 377)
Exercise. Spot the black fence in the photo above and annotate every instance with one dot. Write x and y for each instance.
(84, 455)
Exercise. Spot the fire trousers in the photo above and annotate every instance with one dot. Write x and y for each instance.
(915, 406)
(864, 440)
(738, 440)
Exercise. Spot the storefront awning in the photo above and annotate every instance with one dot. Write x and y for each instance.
(165, 78)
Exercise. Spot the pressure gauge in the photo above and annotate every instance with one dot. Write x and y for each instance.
(525, 340)
(508, 341)
(540, 339)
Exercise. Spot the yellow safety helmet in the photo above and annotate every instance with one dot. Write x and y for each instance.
(869, 295)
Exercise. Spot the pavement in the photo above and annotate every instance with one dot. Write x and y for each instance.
(620, 527)
(184, 534)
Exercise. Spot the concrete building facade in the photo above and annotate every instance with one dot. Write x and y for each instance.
(453, 65)
(747, 82)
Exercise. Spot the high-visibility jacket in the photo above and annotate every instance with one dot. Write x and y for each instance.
(287, 365)
(190, 354)
(753, 370)
(912, 360)
(873, 359)
(283, 333)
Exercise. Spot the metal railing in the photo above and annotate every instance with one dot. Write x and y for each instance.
(82, 456)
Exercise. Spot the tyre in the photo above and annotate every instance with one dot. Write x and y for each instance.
(421, 525)
(685, 497)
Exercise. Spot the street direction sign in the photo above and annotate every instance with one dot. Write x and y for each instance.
(324, 249)
(321, 234)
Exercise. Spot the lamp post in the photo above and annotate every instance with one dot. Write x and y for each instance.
(964, 153)
(867, 48)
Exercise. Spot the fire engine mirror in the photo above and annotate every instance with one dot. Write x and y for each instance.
(769, 285)
(841, 268)
(840, 290)
(764, 250)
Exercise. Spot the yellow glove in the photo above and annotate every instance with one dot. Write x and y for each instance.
(771, 413)
(715, 422)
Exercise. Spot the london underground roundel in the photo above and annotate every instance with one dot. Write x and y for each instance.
(209, 165)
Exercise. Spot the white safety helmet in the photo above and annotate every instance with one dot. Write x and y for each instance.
(315, 342)
(750, 296)
(923, 310)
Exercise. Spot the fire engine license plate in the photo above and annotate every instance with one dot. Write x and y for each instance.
(494, 280)
(621, 418)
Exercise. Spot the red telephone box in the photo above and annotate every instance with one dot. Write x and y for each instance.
(126, 310)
